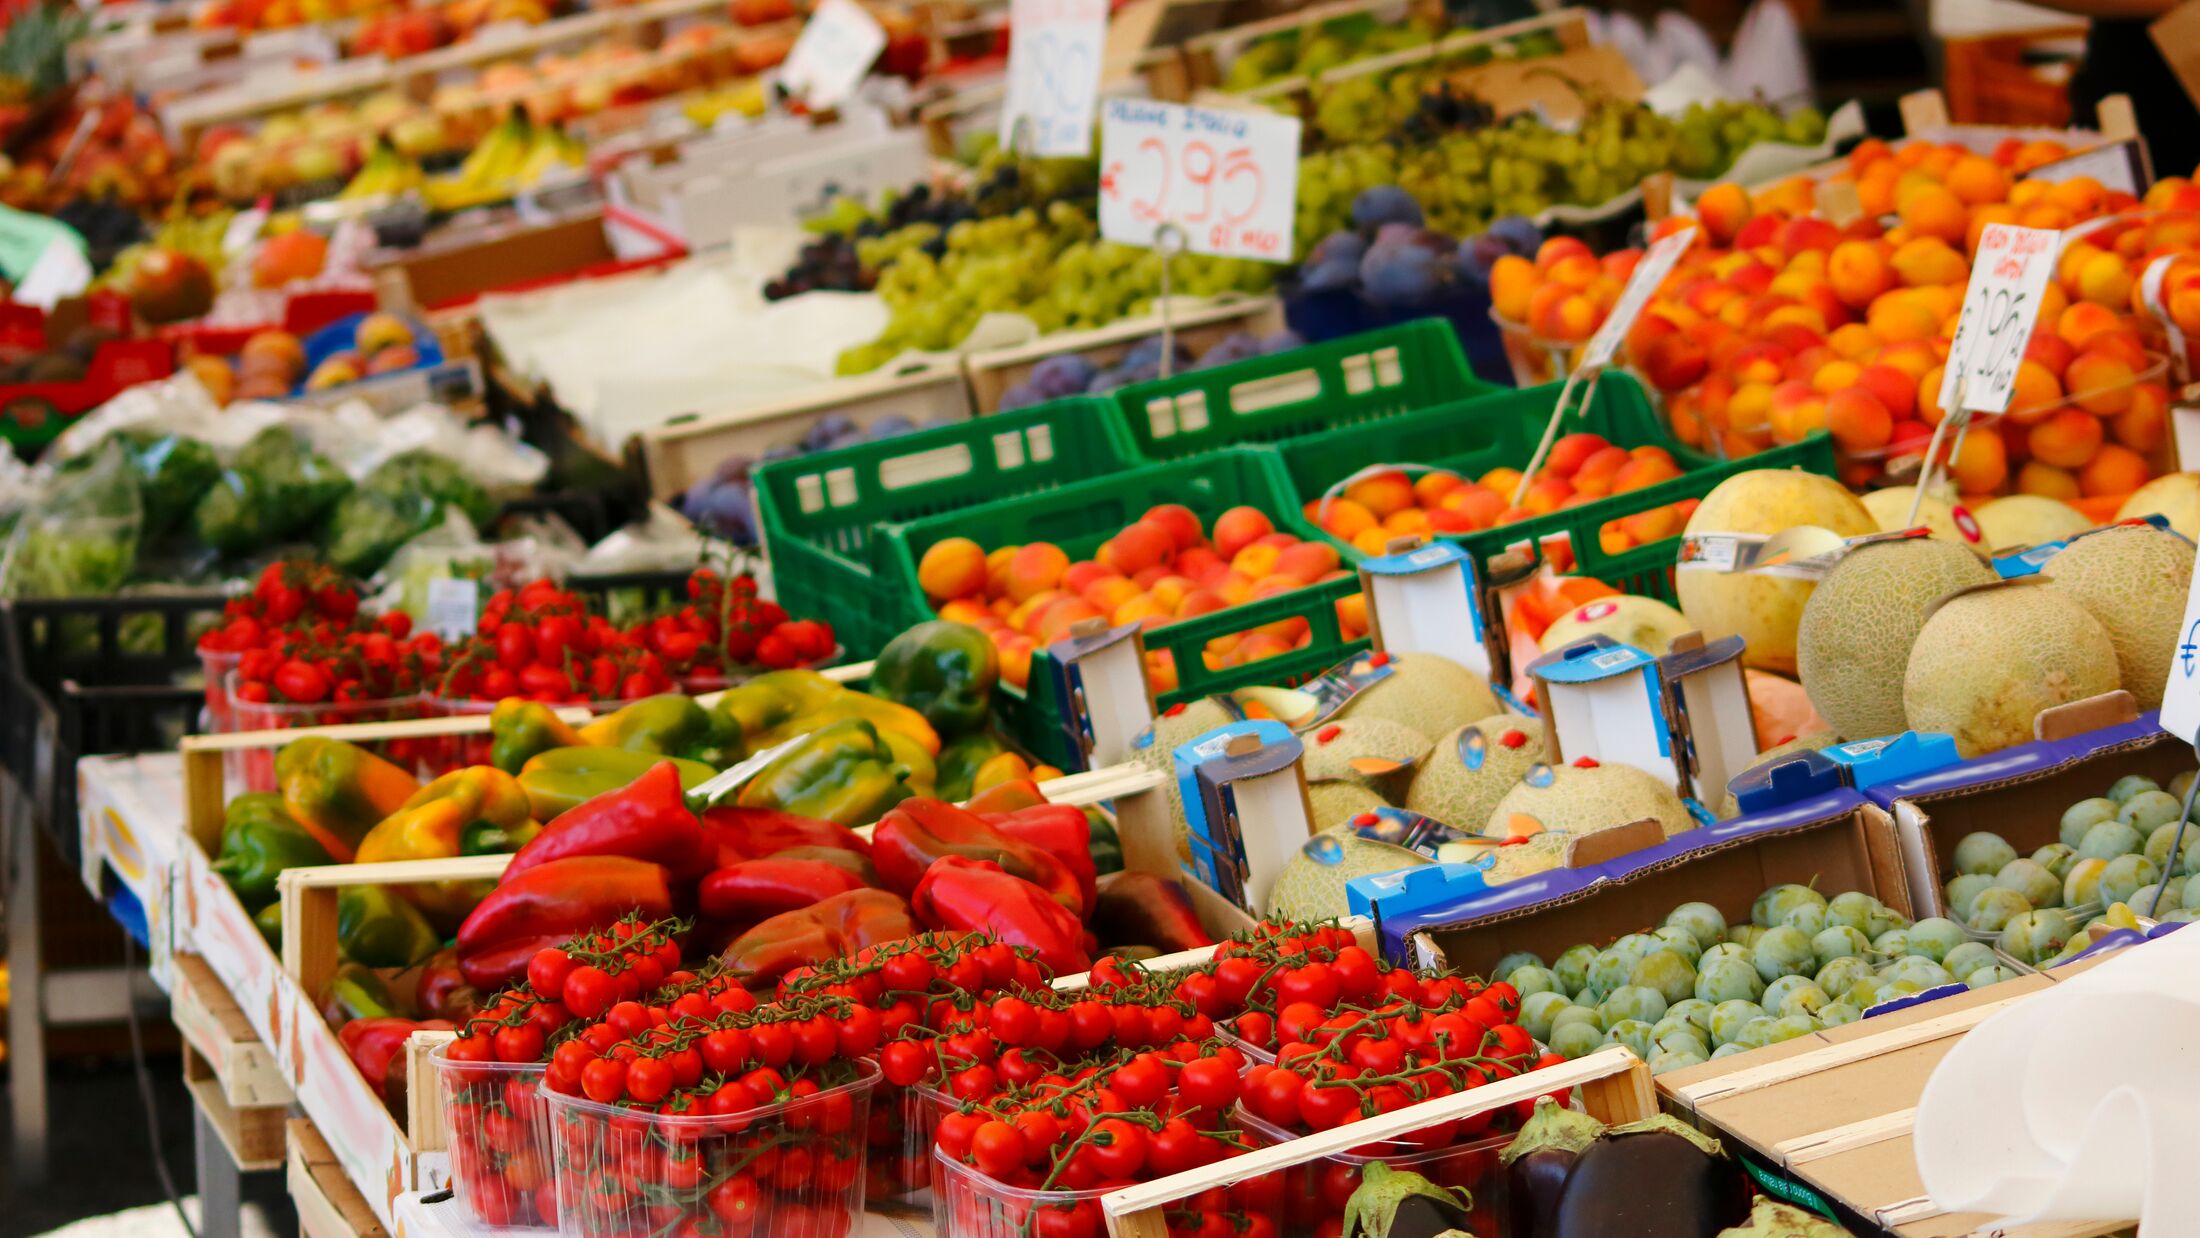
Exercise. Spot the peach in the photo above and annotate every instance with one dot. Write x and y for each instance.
(2036, 394)
(1835, 375)
(1238, 528)
(1381, 493)
(1200, 602)
(1479, 504)
(1933, 211)
(1373, 541)
(2114, 469)
(1035, 568)
(1139, 546)
(1180, 521)
(1279, 540)
(1340, 517)
(1234, 586)
(1200, 564)
(1352, 614)
(1595, 474)
(1430, 487)
(1750, 408)
(2066, 439)
(1808, 234)
(1260, 646)
(967, 610)
(1307, 561)
(1054, 621)
(1561, 314)
(953, 567)
(1982, 465)
(2050, 350)
(1722, 209)
(2144, 425)
(1857, 420)
(1110, 592)
(2100, 384)
(1559, 248)
(1513, 281)
(2046, 480)
(1410, 521)
(1081, 574)
(1977, 180)
(1445, 520)
(1016, 654)
(1546, 494)
(1644, 471)
(1674, 361)
(1654, 525)
(1893, 388)
(1853, 341)
(1170, 590)
(1929, 260)
(1502, 480)
(1256, 560)
(2083, 320)
(1797, 411)
(1143, 609)
(2105, 279)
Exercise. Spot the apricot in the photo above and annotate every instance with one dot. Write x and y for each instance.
(1892, 387)
(1857, 420)
(1352, 615)
(1928, 395)
(2082, 196)
(1238, 528)
(1833, 376)
(2144, 425)
(1644, 470)
(2099, 383)
(1898, 317)
(1139, 546)
(1430, 487)
(2036, 394)
(2066, 439)
(1558, 248)
(2046, 480)
(1168, 591)
(1015, 653)
(1412, 521)
(1054, 621)
(1026, 612)
(1982, 464)
(1110, 592)
(1722, 209)
(1034, 569)
(1931, 210)
(1200, 602)
(1200, 564)
(967, 610)
(2115, 469)
(1513, 281)
(1181, 522)
(2081, 321)
(1255, 561)
(1307, 562)
(1372, 541)
(1675, 361)
(952, 567)
(996, 570)
(1502, 480)
(2050, 350)
(2105, 279)
(1977, 180)
(1381, 493)
(1546, 494)
(1929, 260)
(1479, 504)
(1594, 476)
(1340, 517)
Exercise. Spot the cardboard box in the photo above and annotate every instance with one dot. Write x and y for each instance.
(1833, 1111)
(1838, 841)
(2019, 793)
(462, 265)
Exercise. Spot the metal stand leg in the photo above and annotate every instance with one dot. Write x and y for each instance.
(27, 985)
(219, 1180)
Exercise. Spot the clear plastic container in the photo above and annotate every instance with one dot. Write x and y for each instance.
(791, 1170)
(899, 1175)
(499, 1136)
(967, 1203)
(253, 769)
(1312, 1196)
(215, 665)
(1255, 1055)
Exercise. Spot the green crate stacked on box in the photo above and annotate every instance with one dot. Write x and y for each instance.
(1360, 378)
(821, 514)
(1077, 518)
(1501, 432)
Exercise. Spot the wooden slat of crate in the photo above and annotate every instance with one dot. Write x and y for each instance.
(221, 1035)
(253, 1134)
(328, 1205)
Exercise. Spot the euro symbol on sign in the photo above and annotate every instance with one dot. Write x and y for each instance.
(2186, 651)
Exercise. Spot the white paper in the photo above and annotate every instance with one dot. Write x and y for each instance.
(2181, 694)
(2116, 165)
(452, 605)
(1656, 264)
(836, 49)
(2000, 305)
(1227, 179)
(1054, 55)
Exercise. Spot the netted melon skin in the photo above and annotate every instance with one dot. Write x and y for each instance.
(1854, 642)
(2134, 580)
(1763, 610)
(1989, 661)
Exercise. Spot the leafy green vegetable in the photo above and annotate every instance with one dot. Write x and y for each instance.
(403, 498)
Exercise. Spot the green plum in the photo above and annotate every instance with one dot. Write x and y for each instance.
(1725, 980)
(1634, 946)
(2108, 840)
(1806, 998)
(2056, 858)
(1667, 1060)
(2083, 816)
(1995, 908)
(1572, 968)
(1783, 951)
(1576, 1040)
(1666, 973)
(1988, 975)
(1935, 937)
(2082, 888)
(1729, 1018)
(1837, 1013)
(2158, 844)
(1703, 922)
(1634, 1033)
(2183, 915)
(1532, 978)
(1685, 1039)
(1745, 935)
(1836, 977)
(1789, 1026)
(2124, 875)
(1810, 918)
(1577, 1014)
(2033, 881)
(1772, 906)
(2036, 935)
(1694, 1009)
(2181, 784)
(1893, 942)
(1778, 990)
(1866, 993)
(1967, 958)
(2148, 809)
(1672, 1023)
(1610, 971)
(1884, 918)
(1918, 970)
(2171, 896)
(1515, 961)
(1678, 940)
(1755, 1034)
(2130, 786)
(1632, 1003)
(1960, 892)
(1536, 1010)
(1728, 1050)
(1983, 853)
(1838, 941)
(1853, 909)
(1724, 950)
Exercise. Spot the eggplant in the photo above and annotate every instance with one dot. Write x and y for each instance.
(1537, 1162)
(1657, 1178)
(1773, 1219)
(1396, 1203)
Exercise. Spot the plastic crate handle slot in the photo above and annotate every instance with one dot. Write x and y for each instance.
(925, 467)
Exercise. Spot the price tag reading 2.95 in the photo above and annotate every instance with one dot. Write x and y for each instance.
(1228, 180)
(2008, 276)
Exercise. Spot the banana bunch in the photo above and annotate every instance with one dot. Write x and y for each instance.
(385, 172)
(515, 155)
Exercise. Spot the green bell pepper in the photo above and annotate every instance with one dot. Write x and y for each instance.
(259, 840)
(843, 772)
(943, 670)
(563, 777)
(959, 762)
(357, 992)
(669, 725)
(376, 928)
(520, 730)
(269, 920)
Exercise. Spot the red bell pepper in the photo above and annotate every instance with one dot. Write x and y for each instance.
(753, 833)
(841, 925)
(966, 895)
(1062, 831)
(373, 1044)
(550, 904)
(1142, 909)
(919, 832)
(1005, 797)
(443, 992)
(647, 819)
(754, 890)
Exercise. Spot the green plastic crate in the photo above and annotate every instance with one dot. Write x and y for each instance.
(1078, 518)
(820, 514)
(1358, 378)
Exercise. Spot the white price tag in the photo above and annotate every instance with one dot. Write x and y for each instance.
(835, 50)
(1656, 264)
(2116, 165)
(1054, 55)
(1229, 180)
(452, 605)
(2008, 274)
(2181, 695)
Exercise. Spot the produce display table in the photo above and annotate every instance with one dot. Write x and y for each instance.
(417, 1217)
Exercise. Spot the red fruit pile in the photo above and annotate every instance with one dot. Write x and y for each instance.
(343, 666)
(287, 597)
(726, 627)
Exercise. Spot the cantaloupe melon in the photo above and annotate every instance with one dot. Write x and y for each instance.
(1890, 509)
(2175, 495)
(1155, 748)
(1312, 885)
(1429, 693)
(2133, 578)
(1989, 660)
(1854, 642)
(1472, 768)
(1576, 799)
(1762, 609)
(1646, 623)
(1814, 742)
(1357, 764)
(2019, 520)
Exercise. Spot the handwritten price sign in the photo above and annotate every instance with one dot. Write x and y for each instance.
(1229, 180)
(2008, 275)
(835, 51)
(1054, 74)
(1656, 264)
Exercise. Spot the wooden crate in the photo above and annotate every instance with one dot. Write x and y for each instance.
(253, 1136)
(328, 1205)
(1207, 58)
(1613, 1084)
(217, 1031)
(992, 373)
